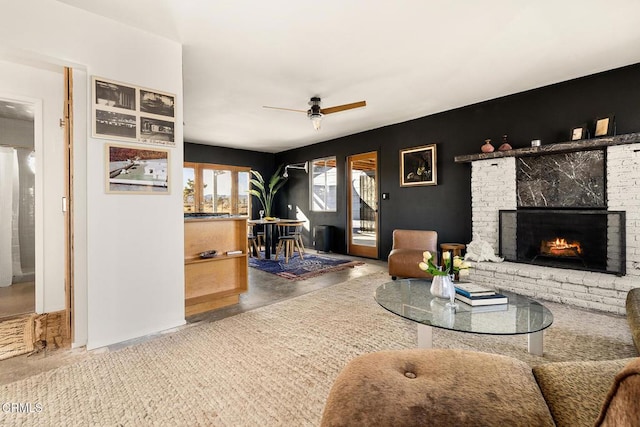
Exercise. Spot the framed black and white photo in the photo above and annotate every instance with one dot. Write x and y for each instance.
(129, 113)
(118, 125)
(161, 104)
(604, 126)
(110, 94)
(155, 130)
(130, 169)
(579, 132)
(418, 166)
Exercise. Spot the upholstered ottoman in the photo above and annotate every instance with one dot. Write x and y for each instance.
(439, 387)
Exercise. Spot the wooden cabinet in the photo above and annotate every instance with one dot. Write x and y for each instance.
(216, 282)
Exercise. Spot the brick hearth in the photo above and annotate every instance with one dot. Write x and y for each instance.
(493, 187)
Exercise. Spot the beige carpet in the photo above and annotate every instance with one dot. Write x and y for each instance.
(272, 366)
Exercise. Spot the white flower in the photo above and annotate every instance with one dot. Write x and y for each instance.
(446, 255)
(426, 255)
(423, 266)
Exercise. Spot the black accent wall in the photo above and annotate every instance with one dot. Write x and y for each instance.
(547, 113)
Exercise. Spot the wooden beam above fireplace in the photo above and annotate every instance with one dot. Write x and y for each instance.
(561, 147)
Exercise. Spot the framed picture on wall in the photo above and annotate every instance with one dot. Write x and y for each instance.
(130, 169)
(604, 126)
(132, 114)
(579, 132)
(418, 166)
(161, 104)
(156, 131)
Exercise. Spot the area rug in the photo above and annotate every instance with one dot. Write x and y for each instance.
(273, 366)
(300, 269)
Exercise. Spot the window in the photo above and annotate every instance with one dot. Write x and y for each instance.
(216, 188)
(323, 185)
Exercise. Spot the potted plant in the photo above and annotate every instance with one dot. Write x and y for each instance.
(265, 192)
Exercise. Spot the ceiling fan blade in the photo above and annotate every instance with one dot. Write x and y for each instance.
(343, 107)
(285, 109)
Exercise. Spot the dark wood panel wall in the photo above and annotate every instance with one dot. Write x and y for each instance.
(546, 113)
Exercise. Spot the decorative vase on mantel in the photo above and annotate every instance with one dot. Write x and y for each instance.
(505, 145)
(487, 147)
(442, 287)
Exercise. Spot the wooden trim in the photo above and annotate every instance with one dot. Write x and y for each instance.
(198, 169)
(67, 327)
(363, 159)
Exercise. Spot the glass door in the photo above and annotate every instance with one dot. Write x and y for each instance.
(362, 193)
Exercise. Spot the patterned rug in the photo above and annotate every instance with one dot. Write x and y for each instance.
(300, 269)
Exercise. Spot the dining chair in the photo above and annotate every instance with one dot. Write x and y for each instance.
(288, 241)
(252, 241)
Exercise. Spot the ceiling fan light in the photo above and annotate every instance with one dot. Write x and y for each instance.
(316, 118)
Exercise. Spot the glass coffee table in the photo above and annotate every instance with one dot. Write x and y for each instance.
(411, 299)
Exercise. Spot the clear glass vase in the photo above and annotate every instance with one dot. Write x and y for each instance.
(442, 287)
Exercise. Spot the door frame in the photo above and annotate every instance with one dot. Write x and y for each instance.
(354, 249)
(67, 124)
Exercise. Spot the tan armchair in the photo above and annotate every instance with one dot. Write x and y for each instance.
(408, 246)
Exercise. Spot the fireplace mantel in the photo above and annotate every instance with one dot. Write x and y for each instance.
(561, 147)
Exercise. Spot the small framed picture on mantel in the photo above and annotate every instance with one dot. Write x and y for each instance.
(579, 132)
(604, 126)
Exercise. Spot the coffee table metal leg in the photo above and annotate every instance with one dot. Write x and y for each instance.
(535, 343)
(425, 336)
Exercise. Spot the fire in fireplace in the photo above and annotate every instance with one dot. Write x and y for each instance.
(592, 240)
(559, 247)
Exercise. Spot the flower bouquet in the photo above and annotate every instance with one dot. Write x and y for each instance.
(442, 282)
(457, 267)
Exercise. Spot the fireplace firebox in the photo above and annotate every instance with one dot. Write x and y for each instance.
(592, 240)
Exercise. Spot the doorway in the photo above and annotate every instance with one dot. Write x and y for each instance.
(17, 208)
(362, 196)
(32, 217)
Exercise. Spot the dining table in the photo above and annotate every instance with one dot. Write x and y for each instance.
(270, 231)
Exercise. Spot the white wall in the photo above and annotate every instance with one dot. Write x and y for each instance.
(133, 263)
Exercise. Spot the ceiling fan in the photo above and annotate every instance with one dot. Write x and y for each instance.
(315, 113)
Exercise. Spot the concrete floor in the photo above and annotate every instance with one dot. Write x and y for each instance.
(264, 289)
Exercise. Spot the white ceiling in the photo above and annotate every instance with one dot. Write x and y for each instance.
(406, 58)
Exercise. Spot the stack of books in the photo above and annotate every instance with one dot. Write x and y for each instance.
(476, 295)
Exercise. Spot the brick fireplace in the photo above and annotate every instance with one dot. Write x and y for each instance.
(494, 189)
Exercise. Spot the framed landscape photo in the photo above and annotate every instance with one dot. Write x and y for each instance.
(604, 126)
(131, 169)
(418, 166)
(579, 132)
